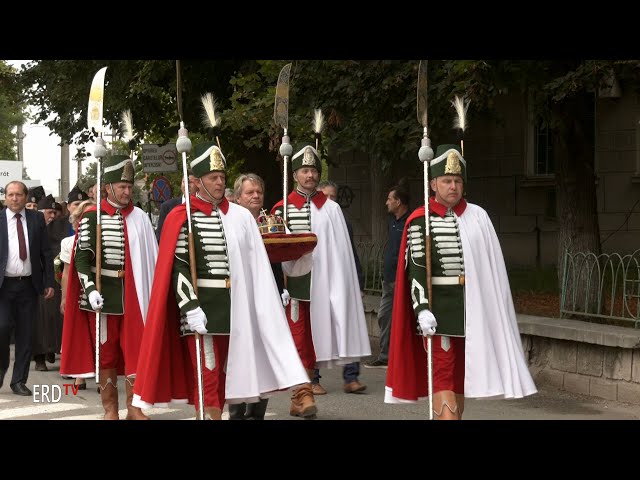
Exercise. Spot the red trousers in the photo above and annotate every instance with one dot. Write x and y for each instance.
(448, 365)
(213, 380)
(123, 343)
(301, 332)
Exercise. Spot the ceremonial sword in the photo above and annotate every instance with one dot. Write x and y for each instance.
(281, 117)
(94, 121)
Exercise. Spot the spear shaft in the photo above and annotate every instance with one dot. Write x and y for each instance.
(183, 145)
(425, 154)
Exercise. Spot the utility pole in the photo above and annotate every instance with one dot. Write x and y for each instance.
(79, 160)
(64, 171)
(20, 136)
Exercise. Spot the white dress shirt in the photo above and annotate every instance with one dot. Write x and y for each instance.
(15, 266)
(66, 247)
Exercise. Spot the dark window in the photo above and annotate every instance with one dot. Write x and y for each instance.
(544, 162)
(543, 153)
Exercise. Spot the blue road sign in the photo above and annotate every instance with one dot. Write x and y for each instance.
(161, 189)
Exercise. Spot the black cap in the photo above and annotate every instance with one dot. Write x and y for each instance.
(76, 194)
(47, 202)
(35, 194)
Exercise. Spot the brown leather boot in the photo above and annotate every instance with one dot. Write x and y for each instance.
(212, 413)
(109, 393)
(302, 402)
(133, 413)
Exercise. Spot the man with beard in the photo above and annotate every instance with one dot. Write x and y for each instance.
(325, 315)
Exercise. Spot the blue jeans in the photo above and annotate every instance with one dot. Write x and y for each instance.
(350, 373)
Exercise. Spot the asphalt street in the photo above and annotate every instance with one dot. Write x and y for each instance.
(547, 404)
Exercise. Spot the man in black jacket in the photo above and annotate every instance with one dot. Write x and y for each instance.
(26, 270)
(47, 332)
(169, 205)
(398, 208)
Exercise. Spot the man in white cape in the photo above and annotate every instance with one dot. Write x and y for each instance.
(129, 252)
(477, 351)
(325, 315)
(247, 349)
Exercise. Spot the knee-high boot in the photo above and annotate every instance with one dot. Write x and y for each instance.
(109, 393)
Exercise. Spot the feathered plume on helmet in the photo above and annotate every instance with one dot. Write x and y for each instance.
(307, 155)
(209, 118)
(127, 131)
(461, 105)
(318, 125)
(208, 155)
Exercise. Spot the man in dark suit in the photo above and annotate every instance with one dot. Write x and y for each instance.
(169, 205)
(26, 269)
(47, 331)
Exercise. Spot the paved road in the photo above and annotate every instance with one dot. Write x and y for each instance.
(547, 404)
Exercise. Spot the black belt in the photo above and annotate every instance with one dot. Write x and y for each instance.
(18, 278)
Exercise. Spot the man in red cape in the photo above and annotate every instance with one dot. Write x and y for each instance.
(129, 251)
(246, 343)
(477, 351)
(166, 372)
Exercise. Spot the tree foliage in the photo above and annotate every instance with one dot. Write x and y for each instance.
(369, 105)
(11, 113)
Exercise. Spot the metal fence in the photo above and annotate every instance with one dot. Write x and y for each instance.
(605, 286)
(372, 261)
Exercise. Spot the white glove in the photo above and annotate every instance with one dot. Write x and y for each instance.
(96, 300)
(197, 321)
(286, 298)
(427, 323)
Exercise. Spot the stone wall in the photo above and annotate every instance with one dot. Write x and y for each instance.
(579, 357)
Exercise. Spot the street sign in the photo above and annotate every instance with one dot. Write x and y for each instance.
(10, 170)
(159, 158)
(161, 189)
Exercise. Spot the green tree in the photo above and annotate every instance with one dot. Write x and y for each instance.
(89, 177)
(60, 89)
(369, 106)
(560, 94)
(11, 113)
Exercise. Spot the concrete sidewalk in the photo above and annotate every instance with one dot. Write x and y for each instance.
(548, 404)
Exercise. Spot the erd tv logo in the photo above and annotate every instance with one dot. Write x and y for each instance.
(53, 393)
